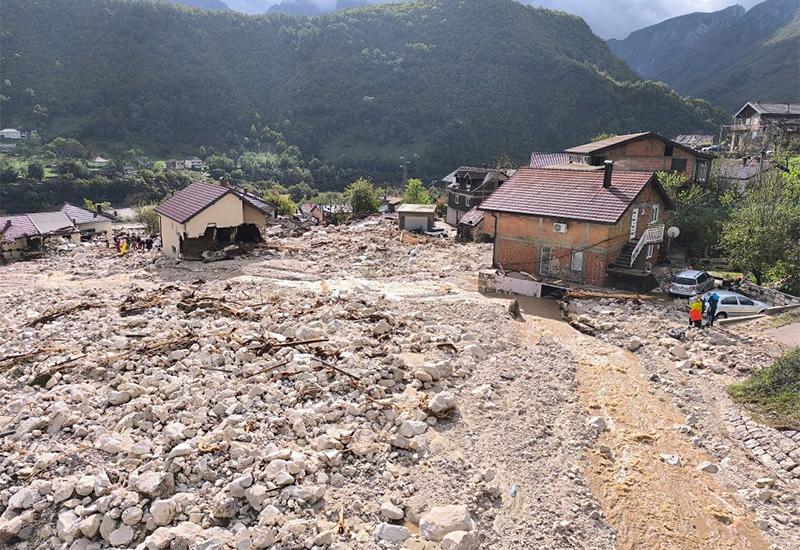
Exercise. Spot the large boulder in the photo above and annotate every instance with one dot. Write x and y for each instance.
(441, 520)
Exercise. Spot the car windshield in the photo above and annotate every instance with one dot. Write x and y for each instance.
(684, 281)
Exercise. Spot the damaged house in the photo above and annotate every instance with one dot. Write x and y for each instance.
(596, 227)
(206, 216)
(22, 235)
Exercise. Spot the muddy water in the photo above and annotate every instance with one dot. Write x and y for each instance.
(544, 308)
(651, 504)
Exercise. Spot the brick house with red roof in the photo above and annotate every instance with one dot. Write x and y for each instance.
(590, 225)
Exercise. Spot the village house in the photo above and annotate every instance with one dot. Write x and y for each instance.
(128, 171)
(98, 162)
(19, 238)
(389, 205)
(595, 227)
(742, 173)
(544, 160)
(470, 227)
(468, 187)
(10, 133)
(189, 163)
(696, 141)
(204, 217)
(416, 217)
(646, 152)
(759, 126)
(89, 223)
(310, 211)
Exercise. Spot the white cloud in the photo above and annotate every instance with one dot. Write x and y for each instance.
(607, 18)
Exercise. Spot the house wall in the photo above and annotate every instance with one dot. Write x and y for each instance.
(453, 215)
(520, 239)
(98, 226)
(648, 155)
(251, 215)
(226, 212)
(171, 232)
(403, 215)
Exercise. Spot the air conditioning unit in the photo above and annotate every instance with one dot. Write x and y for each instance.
(560, 227)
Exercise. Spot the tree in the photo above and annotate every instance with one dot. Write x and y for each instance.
(759, 234)
(505, 162)
(146, 214)
(300, 192)
(603, 135)
(35, 171)
(8, 174)
(416, 193)
(363, 197)
(284, 205)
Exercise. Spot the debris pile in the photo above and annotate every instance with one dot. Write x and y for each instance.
(176, 412)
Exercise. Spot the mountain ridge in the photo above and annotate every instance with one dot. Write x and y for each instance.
(360, 88)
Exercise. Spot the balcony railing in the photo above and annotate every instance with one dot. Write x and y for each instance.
(653, 235)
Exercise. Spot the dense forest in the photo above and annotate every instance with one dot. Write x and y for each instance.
(727, 57)
(435, 83)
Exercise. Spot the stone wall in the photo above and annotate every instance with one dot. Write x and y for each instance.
(772, 297)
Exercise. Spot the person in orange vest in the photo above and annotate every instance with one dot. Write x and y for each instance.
(696, 312)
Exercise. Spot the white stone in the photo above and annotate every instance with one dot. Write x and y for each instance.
(476, 351)
(411, 428)
(121, 536)
(672, 460)
(441, 520)
(91, 525)
(67, 526)
(62, 490)
(391, 533)
(598, 423)
(270, 515)
(113, 443)
(85, 486)
(256, 496)
(24, 498)
(459, 540)
(442, 402)
(132, 515)
(763, 482)
(163, 510)
(381, 327)
(391, 512)
(152, 484)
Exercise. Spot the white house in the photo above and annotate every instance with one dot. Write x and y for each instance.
(98, 162)
(10, 133)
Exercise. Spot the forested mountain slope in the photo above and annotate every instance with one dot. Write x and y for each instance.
(650, 50)
(754, 57)
(440, 82)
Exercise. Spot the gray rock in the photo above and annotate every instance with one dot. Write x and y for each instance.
(460, 540)
(121, 536)
(708, 467)
(391, 533)
(598, 423)
(441, 520)
(391, 512)
(442, 402)
(24, 499)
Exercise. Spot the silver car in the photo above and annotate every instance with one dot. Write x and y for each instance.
(690, 282)
(733, 304)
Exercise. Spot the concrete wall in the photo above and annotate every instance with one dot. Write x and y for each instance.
(101, 226)
(403, 215)
(171, 232)
(768, 295)
(226, 212)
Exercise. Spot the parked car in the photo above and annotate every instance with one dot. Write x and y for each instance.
(733, 304)
(711, 149)
(690, 282)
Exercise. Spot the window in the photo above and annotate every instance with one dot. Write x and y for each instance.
(745, 301)
(703, 277)
(701, 171)
(729, 301)
(651, 249)
(466, 200)
(656, 212)
(668, 150)
(577, 260)
(679, 165)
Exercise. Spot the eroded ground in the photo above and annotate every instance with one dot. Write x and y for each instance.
(334, 389)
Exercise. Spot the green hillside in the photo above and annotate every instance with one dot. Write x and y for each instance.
(440, 82)
(754, 57)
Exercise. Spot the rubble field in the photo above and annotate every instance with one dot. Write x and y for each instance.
(348, 387)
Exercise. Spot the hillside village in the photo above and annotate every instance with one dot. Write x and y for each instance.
(503, 370)
(435, 275)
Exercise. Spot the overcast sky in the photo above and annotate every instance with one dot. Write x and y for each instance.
(608, 18)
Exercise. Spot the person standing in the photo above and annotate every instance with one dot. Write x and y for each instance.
(696, 312)
(713, 302)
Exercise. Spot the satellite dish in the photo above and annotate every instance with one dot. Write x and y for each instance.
(673, 232)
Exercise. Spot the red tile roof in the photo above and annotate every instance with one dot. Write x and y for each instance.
(191, 200)
(570, 194)
(614, 141)
(543, 160)
(81, 215)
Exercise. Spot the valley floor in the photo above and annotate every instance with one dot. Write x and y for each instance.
(350, 388)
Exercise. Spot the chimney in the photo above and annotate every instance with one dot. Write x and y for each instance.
(608, 170)
(98, 207)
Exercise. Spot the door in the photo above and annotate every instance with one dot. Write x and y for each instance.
(746, 306)
(634, 222)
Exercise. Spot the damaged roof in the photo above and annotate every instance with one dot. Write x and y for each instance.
(543, 160)
(472, 218)
(52, 222)
(81, 215)
(191, 200)
(15, 227)
(571, 194)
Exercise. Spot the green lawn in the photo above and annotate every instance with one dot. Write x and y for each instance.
(773, 393)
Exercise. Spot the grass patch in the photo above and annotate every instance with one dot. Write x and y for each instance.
(773, 393)
(786, 319)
